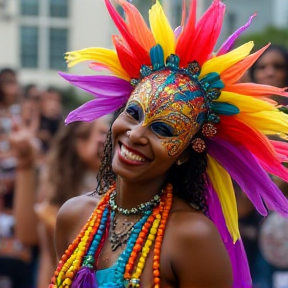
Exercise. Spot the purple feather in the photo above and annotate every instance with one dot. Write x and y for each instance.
(85, 278)
(94, 109)
(249, 175)
(178, 31)
(241, 273)
(111, 93)
(228, 44)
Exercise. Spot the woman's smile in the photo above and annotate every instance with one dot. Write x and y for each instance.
(131, 156)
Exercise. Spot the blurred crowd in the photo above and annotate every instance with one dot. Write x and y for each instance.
(43, 163)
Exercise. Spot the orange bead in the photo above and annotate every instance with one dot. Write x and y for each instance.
(126, 275)
(156, 281)
(156, 273)
(156, 251)
(133, 254)
(156, 257)
(156, 265)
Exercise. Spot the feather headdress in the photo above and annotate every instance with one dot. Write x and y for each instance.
(243, 113)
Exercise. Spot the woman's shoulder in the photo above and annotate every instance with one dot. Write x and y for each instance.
(77, 206)
(75, 212)
(189, 222)
(196, 242)
(71, 218)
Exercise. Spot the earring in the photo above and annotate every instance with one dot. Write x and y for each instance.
(128, 133)
(209, 130)
(198, 145)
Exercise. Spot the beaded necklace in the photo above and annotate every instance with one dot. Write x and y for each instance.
(76, 269)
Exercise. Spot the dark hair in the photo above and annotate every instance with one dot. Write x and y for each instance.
(280, 49)
(27, 89)
(3, 72)
(188, 179)
(65, 168)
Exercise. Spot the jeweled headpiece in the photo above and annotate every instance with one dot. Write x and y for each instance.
(242, 113)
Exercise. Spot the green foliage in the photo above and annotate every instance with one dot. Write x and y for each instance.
(278, 36)
(71, 99)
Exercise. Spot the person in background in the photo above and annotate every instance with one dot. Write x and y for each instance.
(272, 69)
(16, 258)
(72, 164)
(50, 116)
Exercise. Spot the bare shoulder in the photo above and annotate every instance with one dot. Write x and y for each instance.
(71, 217)
(198, 255)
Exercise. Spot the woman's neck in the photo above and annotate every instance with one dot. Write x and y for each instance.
(132, 194)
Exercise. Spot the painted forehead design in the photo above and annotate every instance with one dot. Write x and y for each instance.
(171, 97)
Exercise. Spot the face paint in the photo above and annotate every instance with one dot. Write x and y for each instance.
(173, 107)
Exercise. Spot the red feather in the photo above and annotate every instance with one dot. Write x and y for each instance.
(135, 47)
(128, 59)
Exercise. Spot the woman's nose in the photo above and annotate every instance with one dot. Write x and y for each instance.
(138, 135)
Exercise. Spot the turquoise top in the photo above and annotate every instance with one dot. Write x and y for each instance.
(106, 277)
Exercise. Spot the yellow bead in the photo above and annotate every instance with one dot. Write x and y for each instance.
(153, 231)
(158, 216)
(67, 281)
(142, 259)
(140, 265)
(151, 237)
(148, 243)
(145, 250)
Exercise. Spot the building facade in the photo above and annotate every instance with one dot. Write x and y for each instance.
(34, 34)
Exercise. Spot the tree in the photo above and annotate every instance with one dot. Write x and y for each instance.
(271, 34)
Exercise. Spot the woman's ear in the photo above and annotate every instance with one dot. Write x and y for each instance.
(184, 157)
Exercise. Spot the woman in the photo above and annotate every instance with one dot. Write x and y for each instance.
(73, 162)
(164, 176)
(272, 69)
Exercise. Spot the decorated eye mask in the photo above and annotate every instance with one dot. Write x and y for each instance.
(169, 98)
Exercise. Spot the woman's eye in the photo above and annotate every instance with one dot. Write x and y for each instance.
(134, 112)
(162, 129)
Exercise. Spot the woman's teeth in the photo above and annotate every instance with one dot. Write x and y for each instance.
(130, 156)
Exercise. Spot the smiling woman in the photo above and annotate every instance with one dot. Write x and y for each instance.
(183, 129)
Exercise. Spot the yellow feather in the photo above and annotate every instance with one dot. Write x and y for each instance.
(245, 104)
(223, 186)
(161, 29)
(268, 122)
(223, 62)
(104, 56)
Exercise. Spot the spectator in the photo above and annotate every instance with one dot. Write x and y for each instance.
(50, 116)
(72, 164)
(16, 259)
(272, 69)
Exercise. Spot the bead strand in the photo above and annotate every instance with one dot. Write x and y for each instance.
(159, 237)
(146, 248)
(142, 236)
(124, 257)
(73, 257)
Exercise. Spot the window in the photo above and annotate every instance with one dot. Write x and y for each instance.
(29, 46)
(29, 7)
(58, 38)
(58, 8)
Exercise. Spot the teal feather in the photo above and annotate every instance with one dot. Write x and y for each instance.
(157, 57)
(222, 108)
(214, 81)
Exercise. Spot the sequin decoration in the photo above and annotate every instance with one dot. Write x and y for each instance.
(198, 145)
(209, 130)
(175, 99)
